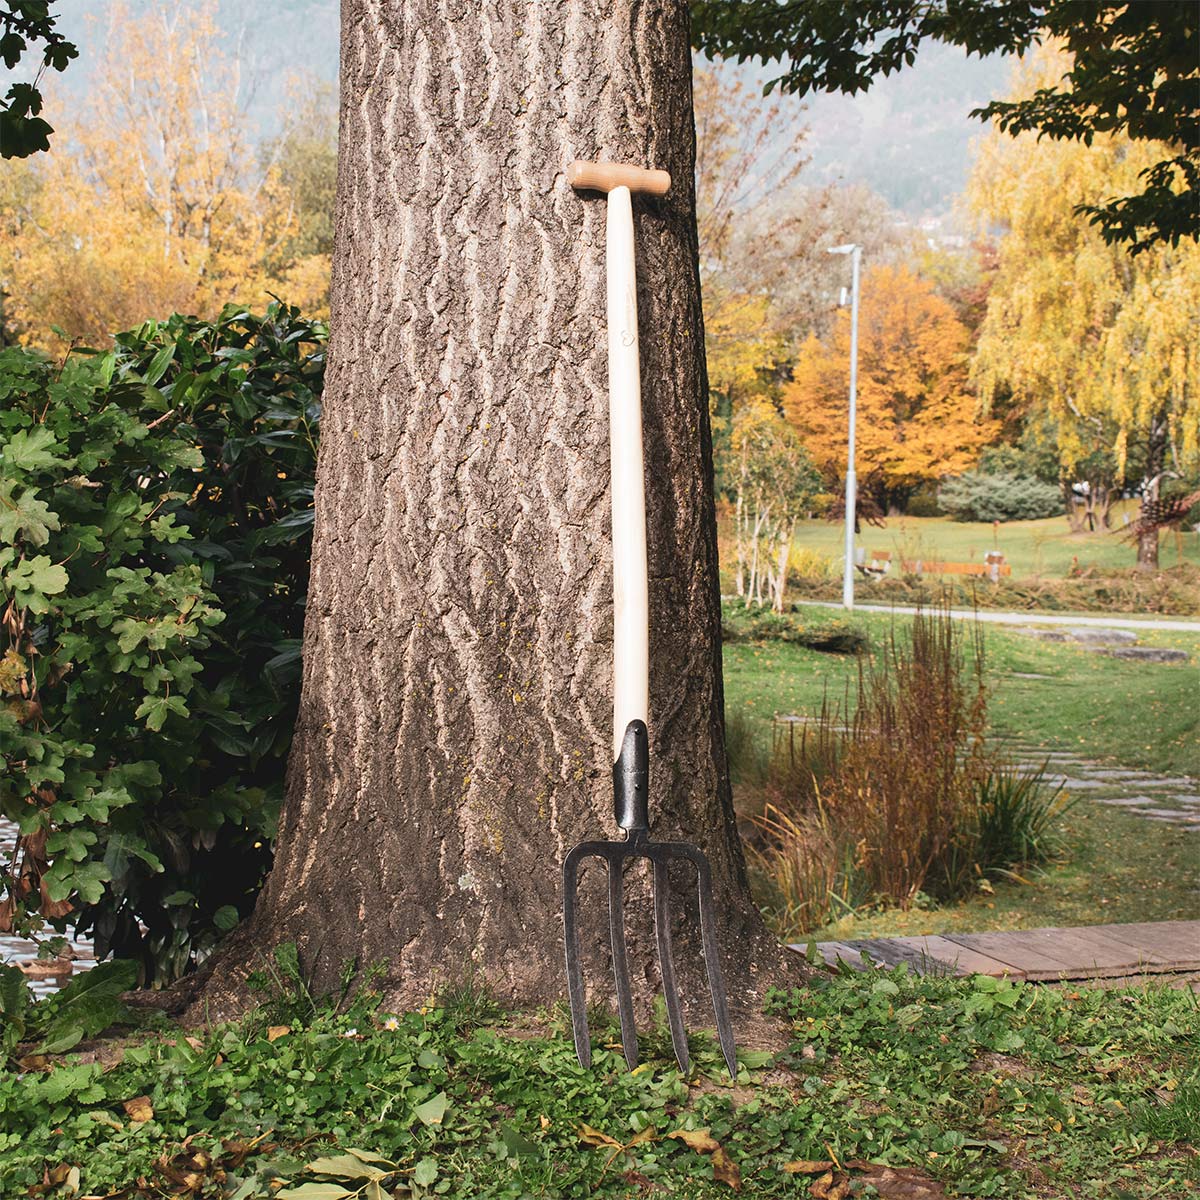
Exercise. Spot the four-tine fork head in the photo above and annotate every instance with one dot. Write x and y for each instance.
(630, 810)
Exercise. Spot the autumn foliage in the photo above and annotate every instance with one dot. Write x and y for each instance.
(917, 419)
(155, 199)
(1097, 348)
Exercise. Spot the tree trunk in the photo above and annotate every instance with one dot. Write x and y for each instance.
(1156, 456)
(1071, 505)
(787, 532)
(1147, 545)
(739, 526)
(454, 738)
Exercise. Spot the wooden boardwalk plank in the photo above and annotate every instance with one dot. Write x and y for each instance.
(1008, 948)
(965, 960)
(894, 951)
(1083, 952)
(1071, 954)
(833, 951)
(1095, 948)
(1177, 942)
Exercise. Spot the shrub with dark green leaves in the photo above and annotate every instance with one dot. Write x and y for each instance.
(155, 524)
(976, 496)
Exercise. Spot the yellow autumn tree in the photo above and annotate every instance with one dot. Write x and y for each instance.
(154, 199)
(1097, 346)
(917, 419)
(775, 483)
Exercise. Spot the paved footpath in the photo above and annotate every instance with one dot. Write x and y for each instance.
(1169, 624)
(1167, 799)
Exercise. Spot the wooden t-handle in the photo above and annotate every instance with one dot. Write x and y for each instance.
(604, 176)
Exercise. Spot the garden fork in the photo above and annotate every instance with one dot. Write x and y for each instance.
(631, 667)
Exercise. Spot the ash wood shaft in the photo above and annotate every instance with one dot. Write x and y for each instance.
(631, 593)
(604, 176)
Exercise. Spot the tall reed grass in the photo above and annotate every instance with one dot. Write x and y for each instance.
(893, 794)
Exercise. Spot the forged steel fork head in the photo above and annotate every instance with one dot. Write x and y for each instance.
(630, 785)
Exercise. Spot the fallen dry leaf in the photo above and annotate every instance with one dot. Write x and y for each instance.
(139, 1109)
(807, 1166)
(593, 1137)
(901, 1183)
(277, 1031)
(700, 1140)
(819, 1188)
(725, 1170)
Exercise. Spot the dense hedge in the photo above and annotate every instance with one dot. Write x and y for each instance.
(155, 526)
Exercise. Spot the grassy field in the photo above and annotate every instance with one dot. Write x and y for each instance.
(1032, 548)
(1119, 867)
(1113, 710)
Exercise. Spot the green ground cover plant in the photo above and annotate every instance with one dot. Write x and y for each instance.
(986, 1087)
(155, 517)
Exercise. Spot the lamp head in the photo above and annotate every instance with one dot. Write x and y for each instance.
(846, 249)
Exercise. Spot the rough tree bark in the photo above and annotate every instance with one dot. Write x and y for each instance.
(454, 736)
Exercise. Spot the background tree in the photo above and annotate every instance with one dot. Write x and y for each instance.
(1133, 70)
(916, 415)
(746, 354)
(1101, 345)
(775, 483)
(454, 733)
(767, 281)
(304, 157)
(153, 202)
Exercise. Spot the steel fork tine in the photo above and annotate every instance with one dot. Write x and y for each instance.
(575, 992)
(616, 922)
(666, 962)
(712, 964)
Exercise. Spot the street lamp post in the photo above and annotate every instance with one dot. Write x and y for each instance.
(855, 253)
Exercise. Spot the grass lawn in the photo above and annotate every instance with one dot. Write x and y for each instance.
(1032, 548)
(1113, 710)
(1120, 867)
(894, 1085)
